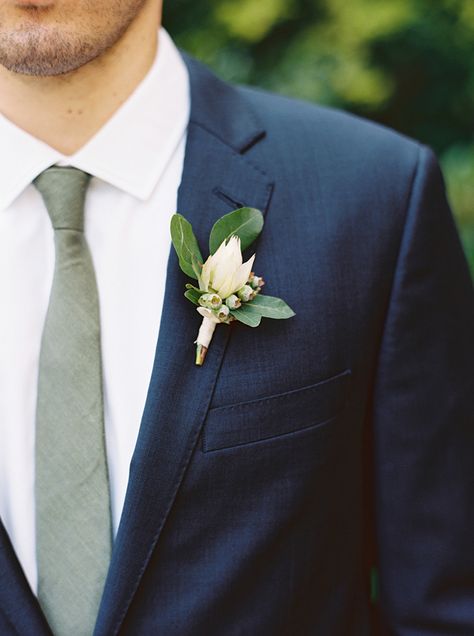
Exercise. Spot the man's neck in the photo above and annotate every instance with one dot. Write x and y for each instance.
(65, 111)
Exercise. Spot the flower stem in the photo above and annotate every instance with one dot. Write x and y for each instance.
(201, 351)
(205, 334)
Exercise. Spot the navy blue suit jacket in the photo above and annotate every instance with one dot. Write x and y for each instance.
(266, 484)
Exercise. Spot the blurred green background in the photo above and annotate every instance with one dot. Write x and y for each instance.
(408, 64)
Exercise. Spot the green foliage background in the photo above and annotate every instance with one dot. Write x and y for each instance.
(408, 64)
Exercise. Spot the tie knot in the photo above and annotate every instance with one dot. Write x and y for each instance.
(63, 190)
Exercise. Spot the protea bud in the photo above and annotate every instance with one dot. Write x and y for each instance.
(224, 272)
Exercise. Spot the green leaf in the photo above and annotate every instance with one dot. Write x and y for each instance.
(247, 315)
(246, 223)
(193, 295)
(260, 307)
(271, 307)
(189, 286)
(196, 264)
(185, 244)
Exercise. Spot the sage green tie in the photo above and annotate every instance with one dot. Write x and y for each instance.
(73, 520)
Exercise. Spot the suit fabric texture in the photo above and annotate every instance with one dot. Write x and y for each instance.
(266, 484)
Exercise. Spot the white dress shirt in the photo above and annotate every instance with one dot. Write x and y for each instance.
(136, 160)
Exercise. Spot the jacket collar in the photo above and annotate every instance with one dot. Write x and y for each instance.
(122, 153)
(221, 109)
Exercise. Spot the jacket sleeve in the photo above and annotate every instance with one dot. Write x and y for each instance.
(423, 426)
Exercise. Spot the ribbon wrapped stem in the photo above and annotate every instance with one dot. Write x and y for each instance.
(206, 331)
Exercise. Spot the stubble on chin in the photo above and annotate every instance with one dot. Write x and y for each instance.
(46, 48)
(44, 54)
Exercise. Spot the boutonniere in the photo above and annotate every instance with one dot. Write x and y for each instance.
(227, 288)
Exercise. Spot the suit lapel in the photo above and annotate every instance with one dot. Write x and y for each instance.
(17, 602)
(216, 178)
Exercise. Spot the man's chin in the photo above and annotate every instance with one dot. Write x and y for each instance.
(47, 38)
(40, 68)
(37, 69)
(42, 54)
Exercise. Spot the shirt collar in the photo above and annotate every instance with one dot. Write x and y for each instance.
(129, 152)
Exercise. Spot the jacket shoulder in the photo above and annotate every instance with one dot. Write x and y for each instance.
(297, 134)
(336, 134)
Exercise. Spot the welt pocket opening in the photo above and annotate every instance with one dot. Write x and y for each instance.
(275, 415)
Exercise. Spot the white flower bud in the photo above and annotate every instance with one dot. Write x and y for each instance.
(246, 293)
(222, 313)
(256, 282)
(233, 302)
(211, 301)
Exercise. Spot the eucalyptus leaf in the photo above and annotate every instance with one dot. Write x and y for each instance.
(271, 307)
(193, 295)
(185, 244)
(246, 223)
(247, 315)
(189, 286)
(196, 264)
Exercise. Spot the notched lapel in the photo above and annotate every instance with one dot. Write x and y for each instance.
(216, 174)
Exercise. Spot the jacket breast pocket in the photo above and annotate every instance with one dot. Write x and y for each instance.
(308, 407)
